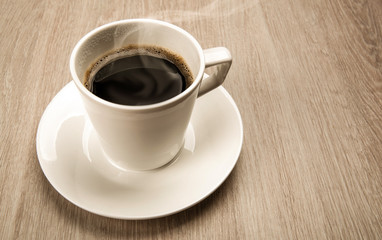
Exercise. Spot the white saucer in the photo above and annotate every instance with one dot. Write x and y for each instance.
(72, 162)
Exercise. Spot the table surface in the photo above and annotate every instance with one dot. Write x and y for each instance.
(307, 79)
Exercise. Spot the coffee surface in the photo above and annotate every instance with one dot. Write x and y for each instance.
(138, 78)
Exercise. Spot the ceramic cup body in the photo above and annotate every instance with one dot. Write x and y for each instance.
(149, 136)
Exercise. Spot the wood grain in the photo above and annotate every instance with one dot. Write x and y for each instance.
(307, 78)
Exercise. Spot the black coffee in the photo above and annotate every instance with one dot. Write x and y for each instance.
(138, 76)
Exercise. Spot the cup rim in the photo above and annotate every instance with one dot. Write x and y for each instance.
(164, 104)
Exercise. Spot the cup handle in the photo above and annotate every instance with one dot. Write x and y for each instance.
(220, 57)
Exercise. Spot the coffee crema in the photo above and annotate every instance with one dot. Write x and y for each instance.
(138, 75)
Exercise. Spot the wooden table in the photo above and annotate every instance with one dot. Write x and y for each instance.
(307, 78)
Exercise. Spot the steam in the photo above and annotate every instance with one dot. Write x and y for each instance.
(215, 9)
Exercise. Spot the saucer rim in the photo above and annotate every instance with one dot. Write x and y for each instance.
(222, 179)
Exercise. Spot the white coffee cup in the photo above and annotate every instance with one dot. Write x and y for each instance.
(149, 136)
